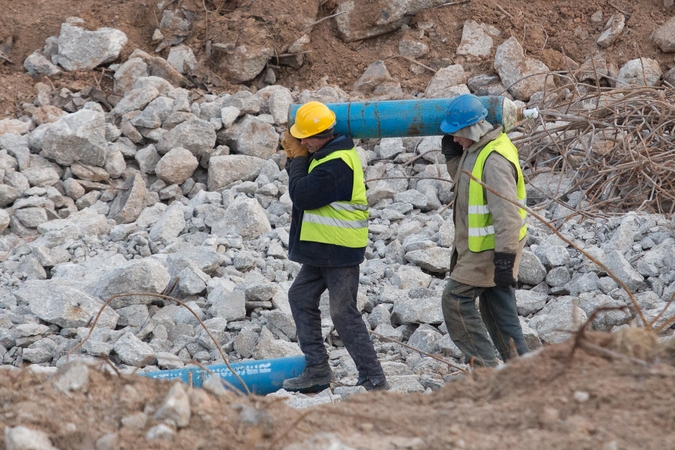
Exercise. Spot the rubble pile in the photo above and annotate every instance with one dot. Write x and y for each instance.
(157, 189)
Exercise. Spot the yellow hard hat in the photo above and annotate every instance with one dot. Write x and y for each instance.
(312, 118)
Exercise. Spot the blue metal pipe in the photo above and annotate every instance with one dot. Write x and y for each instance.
(261, 377)
(402, 118)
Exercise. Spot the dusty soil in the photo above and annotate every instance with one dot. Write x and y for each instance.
(591, 399)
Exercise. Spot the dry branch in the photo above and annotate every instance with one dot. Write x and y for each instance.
(614, 143)
(569, 242)
(165, 297)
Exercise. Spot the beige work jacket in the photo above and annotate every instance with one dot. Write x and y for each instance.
(477, 269)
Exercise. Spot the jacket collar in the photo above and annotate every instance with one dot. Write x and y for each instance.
(488, 137)
(340, 142)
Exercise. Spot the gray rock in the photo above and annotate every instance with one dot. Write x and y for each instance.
(268, 347)
(128, 73)
(134, 100)
(636, 71)
(375, 75)
(531, 337)
(184, 316)
(169, 226)
(447, 82)
(408, 277)
(161, 432)
(245, 342)
(426, 338)
(8, 194)
(4, 220)
(558, 320)
(558, 276)
(226, 303)
(586, 282)
(556, 255)
(512, 66)
(664, 36)
(405, 383)
(251, 137)
(613, 30)
(176, 166)
(63, 305)
(245, 62)
(175, 407)
(448, 347)
(182, 59)
(141, 275)
(36, 64)
(412, 48)
(82, 49)
(279, 104)
(617, 263)
(393, 15)
(390, 147)
(77, 137)
(133, 316)
(280, 322)
(245, 217)
(530, 271)
(379, 315)
(530, 302)
(228, 115)
(225, 170)
(39, 352)
(475, 41)
(132, 351)
(72, 377)
(606, 320)
(129, 202)
(435, 259)
(31, 217)
(424, 310)
(485, 84)
(194, 134)
(22, 438)
(77, 224)
(147, 159)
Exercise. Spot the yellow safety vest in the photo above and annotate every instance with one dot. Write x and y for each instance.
(481, 230)
(340, 223)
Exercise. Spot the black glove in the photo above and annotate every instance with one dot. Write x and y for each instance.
(504, 269)
(450, 148)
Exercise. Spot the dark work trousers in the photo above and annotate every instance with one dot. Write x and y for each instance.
(342, 284)
(498, 317)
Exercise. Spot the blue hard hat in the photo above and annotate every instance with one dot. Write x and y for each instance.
(463, 111)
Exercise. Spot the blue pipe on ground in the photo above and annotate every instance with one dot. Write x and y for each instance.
(261, 376)
(402, 118)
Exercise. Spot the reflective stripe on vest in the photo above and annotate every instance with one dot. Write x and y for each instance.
(340, 223)
(481, 230)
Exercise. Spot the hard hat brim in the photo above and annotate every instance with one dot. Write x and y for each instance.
(447, 128)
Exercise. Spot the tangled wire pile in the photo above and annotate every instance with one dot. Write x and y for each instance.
(615, 144)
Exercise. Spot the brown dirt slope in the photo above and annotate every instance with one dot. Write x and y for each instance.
(548, 29)
(594, 399)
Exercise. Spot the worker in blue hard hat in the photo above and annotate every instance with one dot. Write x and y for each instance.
(328, 236)
(489, 234)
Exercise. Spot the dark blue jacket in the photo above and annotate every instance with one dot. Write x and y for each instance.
(329, 182)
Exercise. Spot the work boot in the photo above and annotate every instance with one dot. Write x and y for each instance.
(312, 379)
(369, 385)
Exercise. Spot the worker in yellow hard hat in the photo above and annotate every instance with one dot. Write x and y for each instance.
(328, 236)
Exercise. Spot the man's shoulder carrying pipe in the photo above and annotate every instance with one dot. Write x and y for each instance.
(405, 118)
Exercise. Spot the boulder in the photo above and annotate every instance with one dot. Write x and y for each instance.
(83, 49)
